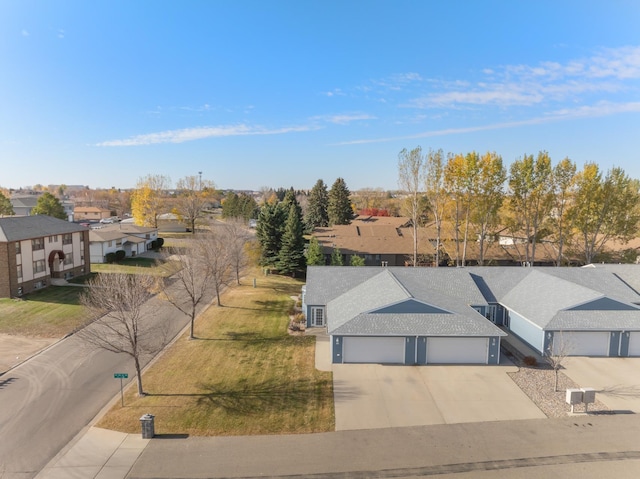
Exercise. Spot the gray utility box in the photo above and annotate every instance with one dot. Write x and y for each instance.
(588, 395)
(574, 396)
(148, 426)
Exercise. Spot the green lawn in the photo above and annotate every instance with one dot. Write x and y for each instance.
(132, 266)
(49, 313)
(243, 375)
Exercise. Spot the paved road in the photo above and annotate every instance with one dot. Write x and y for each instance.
(46, 401)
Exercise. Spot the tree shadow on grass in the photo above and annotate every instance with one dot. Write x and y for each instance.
(250, 337)
(272, 395)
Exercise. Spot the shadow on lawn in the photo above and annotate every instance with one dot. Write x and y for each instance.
(256, 338)
(262, 397)
(55, 294)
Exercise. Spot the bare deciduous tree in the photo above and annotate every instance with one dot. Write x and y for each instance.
(189, 281)
(236, 238)
(410, 179)
(116, 301)
(557, 352)
(217, 260)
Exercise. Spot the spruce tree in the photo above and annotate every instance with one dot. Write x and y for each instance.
(291, 257)
(269, 232)
(314, 253)
(317, 208)
(339, 209)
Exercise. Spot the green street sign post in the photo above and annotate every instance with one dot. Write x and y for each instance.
(121, 376)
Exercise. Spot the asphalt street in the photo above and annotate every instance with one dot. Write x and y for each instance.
(47, 401)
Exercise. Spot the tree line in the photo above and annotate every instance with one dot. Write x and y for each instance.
(281, 224)
(534, 200)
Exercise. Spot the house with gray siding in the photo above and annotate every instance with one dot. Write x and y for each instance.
(459, 315)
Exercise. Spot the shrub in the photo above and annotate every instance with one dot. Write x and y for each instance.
(530, 361)
(299, 318)
(120, 255)
(159, 243)
(110, 257)
(154, 244)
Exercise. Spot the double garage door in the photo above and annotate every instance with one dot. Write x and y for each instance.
(392, 350)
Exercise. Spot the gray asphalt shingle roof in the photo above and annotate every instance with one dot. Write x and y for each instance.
(18, 228)
(544, 296)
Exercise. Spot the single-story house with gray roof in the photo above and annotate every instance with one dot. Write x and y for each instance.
(458, 315)
(401, 315)
(133, 240)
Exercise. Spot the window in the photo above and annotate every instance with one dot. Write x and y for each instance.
(37, 243)
(53, 239)
(19, 271)
(68, 259)
(38, 266)
(81, 235)
(67, 238)
(18, 248)
(39, 285)
(119, 242)
(110, 244)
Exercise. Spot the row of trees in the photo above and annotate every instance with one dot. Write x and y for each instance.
(121, 320)
(281, 224)
(535, 200)
(239, 206)
(191, 195)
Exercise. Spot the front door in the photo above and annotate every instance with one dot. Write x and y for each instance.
(317, 317)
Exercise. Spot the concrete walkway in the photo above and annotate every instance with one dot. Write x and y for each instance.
(96, 454)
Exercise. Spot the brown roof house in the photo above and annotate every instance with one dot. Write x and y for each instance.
(35, 251)
(90, 213)
(381, 241)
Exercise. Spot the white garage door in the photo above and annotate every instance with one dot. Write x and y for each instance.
(373, 350)
(634, 343)
(582, 343)
(457, 350)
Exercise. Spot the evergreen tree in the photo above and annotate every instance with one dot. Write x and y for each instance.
(314, 253)
(6, 208)
(317, 207)
(230, 205)
(269, 231)
(339, 208)
(336, 257)
(356, 260)
(49, 205)
(291, 257)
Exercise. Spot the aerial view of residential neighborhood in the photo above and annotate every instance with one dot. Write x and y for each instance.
(319, 239)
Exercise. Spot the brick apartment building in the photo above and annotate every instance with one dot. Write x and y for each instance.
(36, 249)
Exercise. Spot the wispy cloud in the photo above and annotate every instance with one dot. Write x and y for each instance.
(345, 118)
(607, 71)
(598, 110)
(60, 33)
(199, 133)
(24, 33)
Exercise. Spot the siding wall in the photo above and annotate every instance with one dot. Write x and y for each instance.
(528, 331)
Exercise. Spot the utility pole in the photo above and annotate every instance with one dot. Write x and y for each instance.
(200, 180)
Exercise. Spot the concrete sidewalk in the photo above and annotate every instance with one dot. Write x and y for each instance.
(96, 454)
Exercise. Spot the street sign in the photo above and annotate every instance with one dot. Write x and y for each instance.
(121, 376)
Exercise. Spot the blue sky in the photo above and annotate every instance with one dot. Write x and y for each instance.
(281, 93)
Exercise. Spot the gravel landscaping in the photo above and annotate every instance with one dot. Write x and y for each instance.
(538, 384)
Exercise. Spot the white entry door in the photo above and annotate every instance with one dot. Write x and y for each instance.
(317, 317)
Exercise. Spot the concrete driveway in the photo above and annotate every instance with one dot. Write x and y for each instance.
(617, 380)
(370, 396)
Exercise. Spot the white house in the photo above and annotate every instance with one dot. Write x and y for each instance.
(132, 239)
